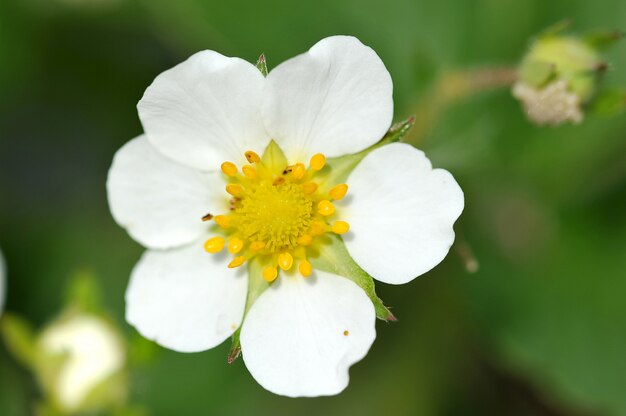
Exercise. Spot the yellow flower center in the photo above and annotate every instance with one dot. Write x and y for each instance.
(277, 212)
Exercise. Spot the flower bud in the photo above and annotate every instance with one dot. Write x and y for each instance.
(557, 77)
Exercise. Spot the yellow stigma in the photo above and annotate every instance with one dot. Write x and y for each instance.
(236, 244)
(338, 191)
(277, 213)
(237, 261)
(252, 157)
(325, 208)
(229, 169)
(249, 171)
(285, 261)
(214, 245)
(317, 161)
(270, 273)
(340, 227)
(305, 268)
(222, 220)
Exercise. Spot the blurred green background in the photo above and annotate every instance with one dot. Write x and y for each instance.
(539, 329)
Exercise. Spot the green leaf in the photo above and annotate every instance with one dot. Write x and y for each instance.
(19, 337)
(333, 257)
(261, 64)
(338, 169)
(256, 286)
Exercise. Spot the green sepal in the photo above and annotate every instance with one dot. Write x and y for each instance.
(19, 337)
(261, 65)
(338, 169)
(273, 157)
(256, 286)
(83, 293)
(332, 256)
(556, 28)
(609, 103)
(604, 39)
(537, 73)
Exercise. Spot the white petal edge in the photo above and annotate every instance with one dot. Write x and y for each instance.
(335, 99)
(205, 110)
(401, 213)
(186, 299)
(293, 340)
(158, 201)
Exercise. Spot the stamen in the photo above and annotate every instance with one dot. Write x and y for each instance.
(235, 245)
(325, 208)
(309, 187)
(298, 171)
(270, 273)
(223, 221)
(340, 227)
(214, 245)
(305, 268)
(237, 261)
(338, 191)
(278, 181)
(257, 245)
(285, 261)
(304, 240)
(317, 228)
(317, 162)
(249, 171)
(252, 157)
(229, 169)
(235, 190)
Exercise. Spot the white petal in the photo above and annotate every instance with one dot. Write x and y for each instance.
(335, 99)
(161, 202)
(186, 299)
(401, 213)
(293, 338)
(205, 110)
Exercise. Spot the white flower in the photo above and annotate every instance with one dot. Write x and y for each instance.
(553, 104)
(91, 352)
(303, 333)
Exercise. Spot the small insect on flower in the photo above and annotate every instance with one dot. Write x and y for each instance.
(291, 219)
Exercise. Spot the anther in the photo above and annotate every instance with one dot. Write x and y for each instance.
(237, 261)
(229, 169)
(317, 161)
(235, 245)
(304, 240)
(285, 261)
(325, 208)
(340, 227)
(214, 245)
(305, 268)
(223, 221)
(270, 273)
(317, 228)
(278, 181)
(309, 187)
(249, 171)
(235, 189)
(207, 217)
(257, 245)
(338, 191)
(252, 157)
(298, 171)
